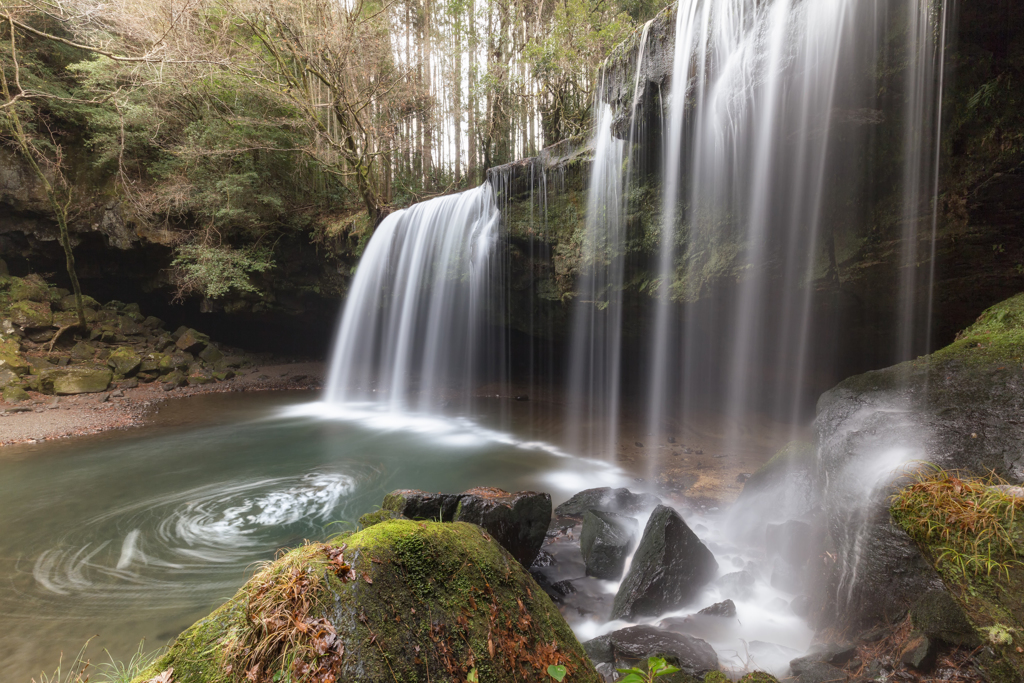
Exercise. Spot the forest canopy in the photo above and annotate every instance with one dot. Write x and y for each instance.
(228, 120)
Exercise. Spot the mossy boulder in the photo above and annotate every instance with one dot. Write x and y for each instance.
(13, 361)
(31, 314)
(8, 377)
(124, 361)
(191, 341)
(67, 303)
(399, 601)
(960, 408)
(83, 350)
(74, 379)
(15, 394)
(31, 288)
(178, 360)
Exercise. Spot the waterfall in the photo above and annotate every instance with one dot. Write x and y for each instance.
(421, 323)
(597, 315)
(777, 149)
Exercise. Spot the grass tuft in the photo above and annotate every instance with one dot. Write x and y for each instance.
(971, 523)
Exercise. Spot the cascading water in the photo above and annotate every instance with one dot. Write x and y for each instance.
(597, 317)
(795, 133)
(421, 320)
(596, 346)
(776, 152)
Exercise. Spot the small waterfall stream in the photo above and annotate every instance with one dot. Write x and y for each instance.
(421, 321)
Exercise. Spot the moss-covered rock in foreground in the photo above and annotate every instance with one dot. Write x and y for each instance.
(403, 601)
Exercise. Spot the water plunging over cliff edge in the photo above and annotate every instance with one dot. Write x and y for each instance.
(421, 321)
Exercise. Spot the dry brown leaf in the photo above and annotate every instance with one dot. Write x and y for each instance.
(163, 677)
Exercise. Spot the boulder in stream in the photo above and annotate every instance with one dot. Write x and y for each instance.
(634, 645)
(620, 500)
(606, 541)
(668, 569)
(518, 520)
(393, 602)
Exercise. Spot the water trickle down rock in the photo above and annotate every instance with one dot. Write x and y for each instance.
(620, 500)
(669, 567)
(606, 541)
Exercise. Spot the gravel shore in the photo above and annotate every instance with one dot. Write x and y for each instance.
(57, 417)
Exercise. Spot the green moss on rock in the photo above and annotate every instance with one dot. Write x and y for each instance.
(407, 600)
(31, 314)
(75, 379)
(758, 677)
(15, 394)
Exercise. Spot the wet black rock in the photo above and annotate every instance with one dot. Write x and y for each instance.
(634, 645)
(638, 444)
(937, 615)
(726, 608)
(621, 500)
(919, 652)
(518, 521)
(669, 568)
(808, 670)
(606, 541)
(836, 654)
(543, 559)
(563, 587)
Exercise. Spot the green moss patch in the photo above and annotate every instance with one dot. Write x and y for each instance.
(398, 601)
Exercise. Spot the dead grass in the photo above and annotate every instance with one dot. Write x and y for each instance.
(971, 526)
(286, 637)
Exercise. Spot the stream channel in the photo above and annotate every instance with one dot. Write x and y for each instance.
(134, 535)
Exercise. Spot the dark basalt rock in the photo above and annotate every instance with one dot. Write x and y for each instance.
(669, 567)
(960, 408)
(621, 500)
(726, 608)
(634, 645)
(937, 615)
(809, 670)
(919, 653)
(518, 521)
(606, 541)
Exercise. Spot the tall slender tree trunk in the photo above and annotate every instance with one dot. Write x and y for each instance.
(428, 100)
(472, 121)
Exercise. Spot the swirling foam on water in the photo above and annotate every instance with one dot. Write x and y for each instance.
(172, 540)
